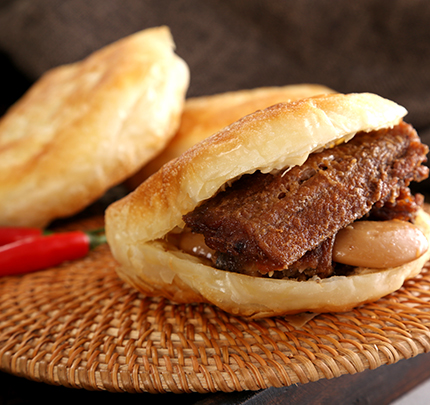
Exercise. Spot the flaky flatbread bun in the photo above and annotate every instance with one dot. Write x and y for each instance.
(274, 139)
(204, 116)
(87, 126)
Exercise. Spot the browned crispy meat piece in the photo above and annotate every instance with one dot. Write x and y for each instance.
(319, 260)
(271, 221)
(404, 208)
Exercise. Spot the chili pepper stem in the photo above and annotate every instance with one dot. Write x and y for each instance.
(96, 239)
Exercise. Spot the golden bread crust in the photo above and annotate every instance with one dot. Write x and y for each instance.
(273, 139)
(204, 116)
(87, 126)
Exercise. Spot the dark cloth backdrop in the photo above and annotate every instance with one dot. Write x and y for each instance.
(381, 46)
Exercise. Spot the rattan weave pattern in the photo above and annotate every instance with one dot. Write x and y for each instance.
(80, 326)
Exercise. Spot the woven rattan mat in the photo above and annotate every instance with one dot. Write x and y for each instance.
(80, 326)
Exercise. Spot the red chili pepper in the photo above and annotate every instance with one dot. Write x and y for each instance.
(41, 252)
(9, 234)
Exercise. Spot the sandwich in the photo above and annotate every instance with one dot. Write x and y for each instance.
(275, 213)
(84, 127)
